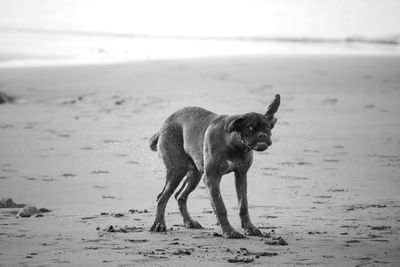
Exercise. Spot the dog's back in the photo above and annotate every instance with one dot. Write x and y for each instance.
(185, 126)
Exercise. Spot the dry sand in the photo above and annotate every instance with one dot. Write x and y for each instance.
(76, 144)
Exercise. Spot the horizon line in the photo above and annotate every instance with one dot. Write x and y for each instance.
(393, 40)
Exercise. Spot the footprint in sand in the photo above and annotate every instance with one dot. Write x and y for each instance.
(287, 163)
(69, 175)
(353, 241)
(121, 155)
(100, 172)
(337, 190)
(323, 196)
(86, 148)
(48, 179)
(109, 141)
(137, 240)
(6, 126)
(330, 101)
(289, 177)
(369, 106)
(304, 163)
(379, 228)
(331, 160)
(9, 170)
(100, 186)
(108, 197)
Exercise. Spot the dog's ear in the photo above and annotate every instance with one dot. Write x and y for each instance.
(233, 123)
(273, 121)
(273, 107)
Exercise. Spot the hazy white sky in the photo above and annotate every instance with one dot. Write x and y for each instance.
(324, 18)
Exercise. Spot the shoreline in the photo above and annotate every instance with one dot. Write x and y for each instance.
(54, 48)
(15, 61)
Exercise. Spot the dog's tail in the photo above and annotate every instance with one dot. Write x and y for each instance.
(153, 141)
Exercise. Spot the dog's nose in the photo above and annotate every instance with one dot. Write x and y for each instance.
(262, 136)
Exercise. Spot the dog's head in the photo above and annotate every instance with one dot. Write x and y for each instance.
(254, 129)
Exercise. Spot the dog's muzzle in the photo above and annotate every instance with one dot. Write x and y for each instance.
(260, 146)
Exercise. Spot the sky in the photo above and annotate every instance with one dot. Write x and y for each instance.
(322, 18)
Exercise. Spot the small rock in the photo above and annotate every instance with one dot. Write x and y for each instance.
(276, 241)
(44, 210)
(119, 102)
(9, 203)
(28, 211)
(4, 98)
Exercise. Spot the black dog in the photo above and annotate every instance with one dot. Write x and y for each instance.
(195, 143)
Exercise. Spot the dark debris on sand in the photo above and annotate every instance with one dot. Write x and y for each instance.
(358, 207)
(124, 229)
(138, 211)
(4, 98)
(240, 260)
(180, 252)
(276, 241)
(9, 203)
(245, 252)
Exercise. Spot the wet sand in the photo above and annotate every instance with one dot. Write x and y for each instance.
(75, 142)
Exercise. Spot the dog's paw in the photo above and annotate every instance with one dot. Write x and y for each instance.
(253, 231)
(232, 234)
(250, 229)
(192, 225)
(158, 227)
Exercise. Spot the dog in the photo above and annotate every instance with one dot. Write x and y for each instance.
(195, 143)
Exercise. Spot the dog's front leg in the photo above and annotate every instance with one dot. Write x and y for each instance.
(213, 186)
(241, 190)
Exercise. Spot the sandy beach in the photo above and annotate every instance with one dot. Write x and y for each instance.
(76, 143)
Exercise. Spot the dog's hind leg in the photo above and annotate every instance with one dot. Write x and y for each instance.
(177, 163)
(174, 177)
(192, 180)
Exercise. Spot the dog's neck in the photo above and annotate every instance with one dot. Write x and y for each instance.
(237, 143)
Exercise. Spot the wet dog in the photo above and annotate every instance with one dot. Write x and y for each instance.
(195, 143)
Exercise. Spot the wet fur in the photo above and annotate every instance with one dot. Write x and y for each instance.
(196, 144)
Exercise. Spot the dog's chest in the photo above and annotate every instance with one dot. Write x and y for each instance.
(227, 166)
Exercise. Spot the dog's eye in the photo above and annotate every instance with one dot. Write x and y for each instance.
(250, 128)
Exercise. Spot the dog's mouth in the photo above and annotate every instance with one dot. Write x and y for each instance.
(260, 146)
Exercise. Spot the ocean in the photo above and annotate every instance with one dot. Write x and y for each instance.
(47, 32)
